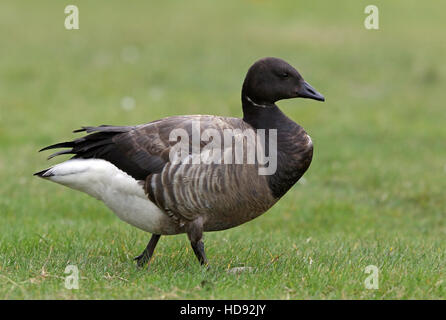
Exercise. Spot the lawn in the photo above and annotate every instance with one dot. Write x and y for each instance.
(374, 194)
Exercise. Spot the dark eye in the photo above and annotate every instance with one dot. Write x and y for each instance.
(285, 75)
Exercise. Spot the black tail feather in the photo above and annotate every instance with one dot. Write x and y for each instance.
(67, 144)
(112, 144)
(42, 173)
(94, 144)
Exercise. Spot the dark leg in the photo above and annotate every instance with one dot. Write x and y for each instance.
(198, 248)
(195, 235)
(145, 256)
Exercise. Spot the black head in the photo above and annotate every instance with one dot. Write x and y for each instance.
(272, 79)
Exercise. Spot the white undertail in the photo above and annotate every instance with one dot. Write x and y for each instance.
(119, 191)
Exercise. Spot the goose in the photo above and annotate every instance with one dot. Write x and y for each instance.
(134, 171)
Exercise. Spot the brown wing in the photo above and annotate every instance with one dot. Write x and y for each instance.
(137, 150)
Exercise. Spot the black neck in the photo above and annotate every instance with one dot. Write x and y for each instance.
(262, 115)
(294, 156)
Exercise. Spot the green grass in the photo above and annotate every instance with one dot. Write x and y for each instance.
(374, 194)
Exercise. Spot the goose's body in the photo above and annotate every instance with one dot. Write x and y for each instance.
(131, 169)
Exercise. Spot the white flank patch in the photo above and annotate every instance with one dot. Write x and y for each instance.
(119, 191)
(310, 142)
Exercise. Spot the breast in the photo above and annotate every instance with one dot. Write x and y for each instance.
(295, 152)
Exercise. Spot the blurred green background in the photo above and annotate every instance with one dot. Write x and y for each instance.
(374, 194)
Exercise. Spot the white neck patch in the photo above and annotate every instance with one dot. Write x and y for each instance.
(255, 104)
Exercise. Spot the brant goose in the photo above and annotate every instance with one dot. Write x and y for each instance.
(135, 172)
